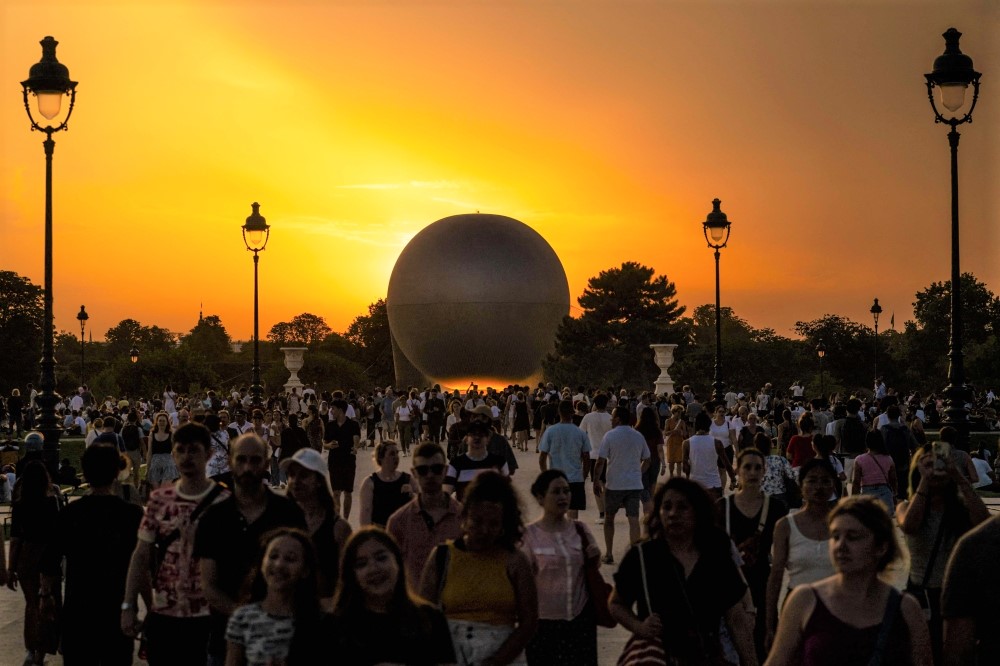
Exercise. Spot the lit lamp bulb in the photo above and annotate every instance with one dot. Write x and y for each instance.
(717, 233)
(49, 103)
(953, 95)
(255, 238)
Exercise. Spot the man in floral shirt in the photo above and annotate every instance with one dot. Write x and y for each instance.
(177, 621)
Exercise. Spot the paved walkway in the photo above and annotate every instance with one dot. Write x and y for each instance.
(610, 641)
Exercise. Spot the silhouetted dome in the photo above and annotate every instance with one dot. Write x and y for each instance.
(477, 297)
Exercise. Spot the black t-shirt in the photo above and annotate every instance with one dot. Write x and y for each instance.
(344, 435)
(226, 537)
(712, 588)
(378, 638)
(741, 528)
(96, 534)
(293, 439)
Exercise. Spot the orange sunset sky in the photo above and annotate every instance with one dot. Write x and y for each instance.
(607, 126)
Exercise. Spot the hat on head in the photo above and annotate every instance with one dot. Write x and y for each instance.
(483, 410)
(308, 458)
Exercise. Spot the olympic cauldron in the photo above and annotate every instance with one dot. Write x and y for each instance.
(475, 298)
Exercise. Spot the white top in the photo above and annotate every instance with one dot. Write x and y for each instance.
(983, 470)
(808, 560)
(704, 461)
(596, 425)
(721, 432)
(624, 449)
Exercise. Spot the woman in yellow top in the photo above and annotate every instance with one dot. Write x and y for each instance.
(482, 581)
(676, 431)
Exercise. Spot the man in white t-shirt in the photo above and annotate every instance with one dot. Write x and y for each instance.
(624, 456)
(596, 425)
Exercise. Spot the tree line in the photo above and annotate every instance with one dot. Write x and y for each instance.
(624, 310)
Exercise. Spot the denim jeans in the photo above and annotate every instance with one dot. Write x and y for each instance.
(882, 492)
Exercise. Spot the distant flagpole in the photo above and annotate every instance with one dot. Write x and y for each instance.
(892, 321)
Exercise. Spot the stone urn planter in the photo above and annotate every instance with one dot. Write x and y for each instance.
(663, 355)
(293, 363)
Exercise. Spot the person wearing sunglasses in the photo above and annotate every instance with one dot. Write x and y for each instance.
(431, 517)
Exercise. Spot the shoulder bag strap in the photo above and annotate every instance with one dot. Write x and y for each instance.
(729, 501)
(891, 611)
(763, 514)
(645, 583)
(934, 553)
(885, 475)
(442, 559)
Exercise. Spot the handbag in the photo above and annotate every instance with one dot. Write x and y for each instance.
(640, 651)
(598, 590)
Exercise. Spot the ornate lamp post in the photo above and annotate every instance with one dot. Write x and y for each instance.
(256, 231)
(48, 82)
(821, 352)
(716, 228)
(952, 76)
(876, 310)
(82, 317)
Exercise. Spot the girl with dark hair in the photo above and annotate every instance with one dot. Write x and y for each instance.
(559, 549)
(282, 606)
(800, 539)
(749, 516)
(778, 474)
(34, 512)
(941, 508)
(875, 472)
(786, 430)
(161, 469)
(852, 617)
(482, 580)
(676, 431)
(376, 620)
(685, 572)
(799, 448)
(649, 427)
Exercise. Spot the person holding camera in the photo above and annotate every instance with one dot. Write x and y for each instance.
(941, 508)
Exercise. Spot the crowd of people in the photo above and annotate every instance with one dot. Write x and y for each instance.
(760, 529)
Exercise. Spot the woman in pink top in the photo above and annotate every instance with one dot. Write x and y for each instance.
(557, 547)
(875, 473)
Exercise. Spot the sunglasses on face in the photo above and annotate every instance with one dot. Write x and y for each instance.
(424, 470)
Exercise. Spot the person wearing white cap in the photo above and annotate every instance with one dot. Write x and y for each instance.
(309, 485)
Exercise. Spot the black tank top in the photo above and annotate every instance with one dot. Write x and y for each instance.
(158, 445)
(387, 496)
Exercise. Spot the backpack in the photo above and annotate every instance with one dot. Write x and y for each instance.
(897, 445)
(130, 433)
(852, 437)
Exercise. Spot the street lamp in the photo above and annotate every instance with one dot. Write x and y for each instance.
(82, 317)
(48, 81)
(821, 352)
(256, 231)
(716, 228)
(952, 75)
(876, 310)
(133, 355)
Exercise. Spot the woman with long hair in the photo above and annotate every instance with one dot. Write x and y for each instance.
(853, 617)
(800, 539)
(559, 548)
(941, 508)
(387, 489)
(482, 580)
(521, 421)
(282, 607)
(34, 512)
(675, 588)
(749, 516)
(676, 431)
(799, 448)
(648, 426)
(786, 430)
(309, 485)
(376, 619)
(161, 470)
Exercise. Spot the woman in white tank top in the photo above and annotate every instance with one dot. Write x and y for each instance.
(800, 540)
(702, 454)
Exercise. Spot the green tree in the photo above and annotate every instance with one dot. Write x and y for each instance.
(848, 363)
(22, 317)
(305, 329)
(370, 334)
(625, 309)
(208, 338)
(129, 333)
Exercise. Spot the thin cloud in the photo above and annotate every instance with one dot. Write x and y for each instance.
(413, 184)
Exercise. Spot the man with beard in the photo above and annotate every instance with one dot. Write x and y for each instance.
(228, 537)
